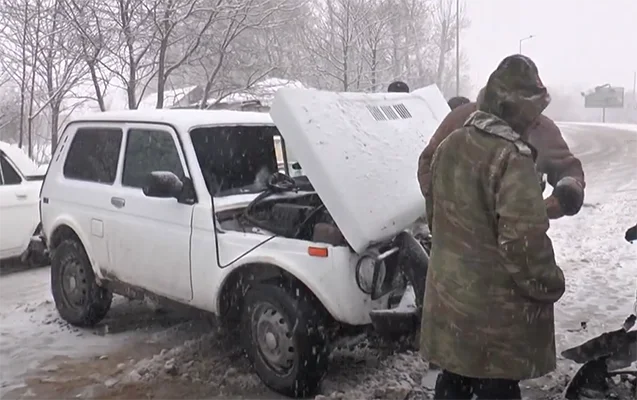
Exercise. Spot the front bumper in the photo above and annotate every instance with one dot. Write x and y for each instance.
(413, 261)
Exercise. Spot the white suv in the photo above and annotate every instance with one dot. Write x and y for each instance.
(20, 182)
(187, 205)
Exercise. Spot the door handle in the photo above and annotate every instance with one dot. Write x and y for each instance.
(118, 202)
(21, 196)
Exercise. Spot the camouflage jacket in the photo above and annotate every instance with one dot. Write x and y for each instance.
(554, 157)
(492, 279)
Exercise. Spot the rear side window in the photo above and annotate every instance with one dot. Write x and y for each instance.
(9, 175)
(148, 151)
(93, 155)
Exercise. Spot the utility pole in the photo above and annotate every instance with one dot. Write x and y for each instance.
(457, 47)
(634, 88)
(522, 40)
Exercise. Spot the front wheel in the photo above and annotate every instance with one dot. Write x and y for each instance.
(78, 298)
(284, 338)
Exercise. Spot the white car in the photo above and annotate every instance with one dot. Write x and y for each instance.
(20, 183)
(187, 205)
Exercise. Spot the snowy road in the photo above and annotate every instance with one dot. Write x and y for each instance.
(139, 353)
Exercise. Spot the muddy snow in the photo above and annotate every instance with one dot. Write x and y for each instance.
(139, 351)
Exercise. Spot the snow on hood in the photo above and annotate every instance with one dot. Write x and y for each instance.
(432, 95)
(360, 151)
(20, 159)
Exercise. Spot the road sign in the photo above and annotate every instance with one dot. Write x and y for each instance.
(605, 96)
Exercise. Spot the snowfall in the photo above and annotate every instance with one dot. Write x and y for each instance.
(140, 351)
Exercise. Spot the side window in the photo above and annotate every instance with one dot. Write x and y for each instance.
(9, 174)
(93, 155)
(148, 151)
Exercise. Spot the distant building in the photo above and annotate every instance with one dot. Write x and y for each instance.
(256, 98)
(175, 98)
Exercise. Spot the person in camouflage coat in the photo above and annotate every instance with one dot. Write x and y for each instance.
(492, 280)
(554, 160)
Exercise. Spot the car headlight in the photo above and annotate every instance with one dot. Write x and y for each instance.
(365, 273)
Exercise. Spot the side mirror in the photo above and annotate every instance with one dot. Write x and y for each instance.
(163, 184)
(296, 166)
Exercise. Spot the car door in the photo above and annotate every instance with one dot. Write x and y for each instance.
(82, 190)
(152, 245)
(16, 207)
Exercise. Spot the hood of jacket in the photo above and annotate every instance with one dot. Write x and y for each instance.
(515, 93)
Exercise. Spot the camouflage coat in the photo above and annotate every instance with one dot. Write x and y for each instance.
(492, 278)
(554, 158)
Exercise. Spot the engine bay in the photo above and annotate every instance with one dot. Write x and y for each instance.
(289, 208)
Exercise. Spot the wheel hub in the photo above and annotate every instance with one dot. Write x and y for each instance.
(273, 337)
(271, 341)
(74, 285)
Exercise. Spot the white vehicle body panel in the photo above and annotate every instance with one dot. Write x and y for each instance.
(20, 159)
(360, 151)
(171, 249)
(136, 259)
(19, 204)
(435, 101)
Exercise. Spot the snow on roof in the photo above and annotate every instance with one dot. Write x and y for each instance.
(183, 120)
(19, 158)
(263, 91)
(171, 98)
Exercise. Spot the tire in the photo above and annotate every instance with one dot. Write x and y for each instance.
(292, 315)
(78, 298)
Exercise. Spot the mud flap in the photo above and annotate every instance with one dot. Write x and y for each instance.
(608, 352)
(36, 254)
(405, 319)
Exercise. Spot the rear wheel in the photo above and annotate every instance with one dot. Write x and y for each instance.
(78, 298)
(283, 335)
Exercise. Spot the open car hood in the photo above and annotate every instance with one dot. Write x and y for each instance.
(360, 152)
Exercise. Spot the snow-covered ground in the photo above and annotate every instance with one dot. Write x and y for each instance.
(140, 353)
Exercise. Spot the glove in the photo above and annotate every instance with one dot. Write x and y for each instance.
(553, 207)
(570, 195)
(631, 234)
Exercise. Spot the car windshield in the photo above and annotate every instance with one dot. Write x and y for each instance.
(240, 159)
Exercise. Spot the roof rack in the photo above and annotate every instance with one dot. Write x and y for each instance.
(247, 105)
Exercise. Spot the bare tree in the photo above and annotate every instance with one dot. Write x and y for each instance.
(14, 56)
(85, 18)
(376, 49)
(129, 57)
(60, 62)
(412, 37)
(173, 21)
(230, 62)
(52, 49)
(34, 67)
(445, 23)
(9, 111)
(334, 39)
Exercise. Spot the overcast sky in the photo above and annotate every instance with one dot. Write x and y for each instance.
(580, 43)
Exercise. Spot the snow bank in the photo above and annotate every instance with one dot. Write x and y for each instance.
(32, 332)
